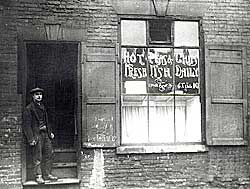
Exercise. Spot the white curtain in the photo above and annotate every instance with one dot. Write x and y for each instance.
(158, 126)
(134, 124)
(188, 121)
(161, 124)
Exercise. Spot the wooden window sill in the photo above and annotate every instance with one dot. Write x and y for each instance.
(178, 148)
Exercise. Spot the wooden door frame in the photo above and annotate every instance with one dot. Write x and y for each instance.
(23, 76)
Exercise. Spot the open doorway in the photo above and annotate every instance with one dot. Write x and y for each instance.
(53, 67)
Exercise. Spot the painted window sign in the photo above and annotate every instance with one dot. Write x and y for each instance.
(160, 62)
(187, 70)
(164, 70)
(134, 64)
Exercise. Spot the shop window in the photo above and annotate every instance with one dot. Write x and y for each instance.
(160, 91)
(179, 92)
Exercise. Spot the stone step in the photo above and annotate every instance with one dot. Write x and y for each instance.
(67, 164)
(65, 170)
(65, 155)
(64, 164)
(67, 183)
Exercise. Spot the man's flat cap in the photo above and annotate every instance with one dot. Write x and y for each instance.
(37, 89)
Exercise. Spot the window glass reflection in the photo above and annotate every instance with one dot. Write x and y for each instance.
(186, 33)
(133, 32)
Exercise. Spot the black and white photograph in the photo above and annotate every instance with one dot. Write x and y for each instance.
(124, 94)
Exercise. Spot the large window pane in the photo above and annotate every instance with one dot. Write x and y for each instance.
(186, 33)
(134, 107)
(188, 118)
(134, 119)
(133, 32)
(161, 119)
(187, 74)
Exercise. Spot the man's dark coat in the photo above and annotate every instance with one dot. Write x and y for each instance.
(31, 121)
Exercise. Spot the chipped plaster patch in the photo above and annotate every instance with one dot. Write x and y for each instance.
(97, 176)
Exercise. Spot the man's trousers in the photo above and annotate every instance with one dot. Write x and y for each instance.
(42, 154)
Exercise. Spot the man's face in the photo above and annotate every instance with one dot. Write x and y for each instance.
(38, 96)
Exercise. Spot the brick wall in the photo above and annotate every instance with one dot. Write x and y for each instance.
(227, 22)
(10, 106)
(94, 21)
(221, 167)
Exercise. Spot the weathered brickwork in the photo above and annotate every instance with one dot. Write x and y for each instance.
(94, 21)
(222, 167)
(226, 22)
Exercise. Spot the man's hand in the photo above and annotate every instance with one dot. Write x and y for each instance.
(52, 135)
(33, 143)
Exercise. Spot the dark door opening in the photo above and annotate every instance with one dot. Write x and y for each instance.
(53, 67)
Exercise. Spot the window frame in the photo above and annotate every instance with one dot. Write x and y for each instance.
(162, 147)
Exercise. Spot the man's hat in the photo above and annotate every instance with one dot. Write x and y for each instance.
(37, 89)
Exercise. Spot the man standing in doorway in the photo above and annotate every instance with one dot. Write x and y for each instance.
(39, 135)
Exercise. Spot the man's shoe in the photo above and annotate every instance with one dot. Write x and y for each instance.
(51, 177)
(39, 179)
